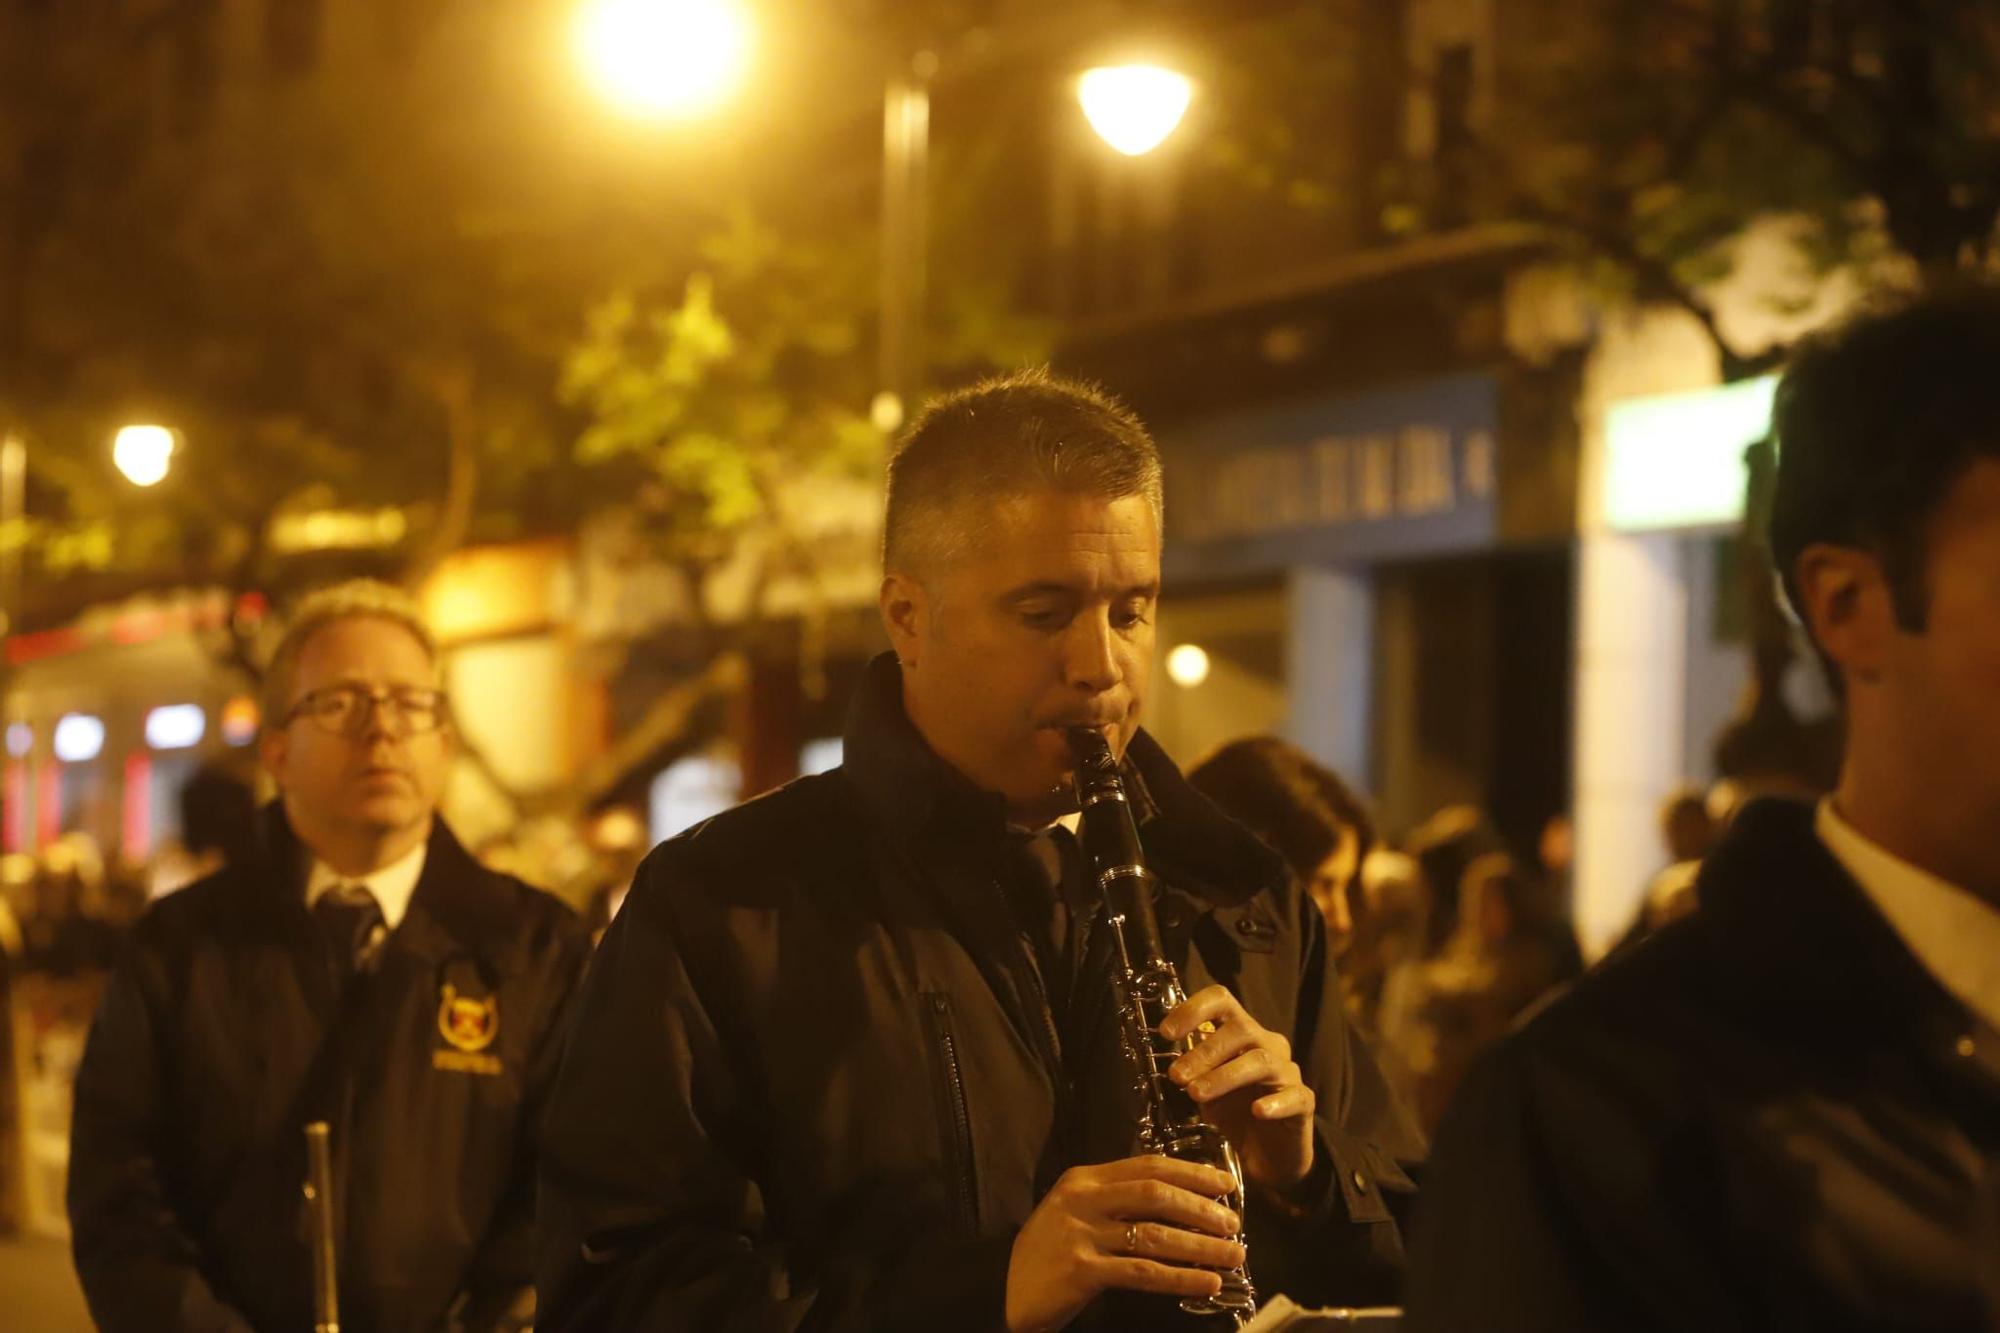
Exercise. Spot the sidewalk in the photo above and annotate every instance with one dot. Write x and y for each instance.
(38, 1288)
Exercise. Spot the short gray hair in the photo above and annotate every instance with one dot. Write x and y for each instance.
(1011, 435)
(356, 599)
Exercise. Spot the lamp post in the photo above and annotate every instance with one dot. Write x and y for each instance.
(906, 142)
(1133, 108)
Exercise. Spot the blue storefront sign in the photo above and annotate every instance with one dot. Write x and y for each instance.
(1393, 473)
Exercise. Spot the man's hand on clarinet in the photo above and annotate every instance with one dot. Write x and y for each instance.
(1243, 1077)
(1141, 1224)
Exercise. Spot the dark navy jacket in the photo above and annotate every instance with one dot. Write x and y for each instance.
(219, 1038)
(814, 1084)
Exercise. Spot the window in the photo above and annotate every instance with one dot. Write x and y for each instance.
(176, 726)
(79, 738)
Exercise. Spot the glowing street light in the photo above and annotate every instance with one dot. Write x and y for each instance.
(143, 453)
(1134, 107)
(665, 59)
(1187, 665)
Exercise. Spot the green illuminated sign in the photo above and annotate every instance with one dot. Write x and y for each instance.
(1676, 460)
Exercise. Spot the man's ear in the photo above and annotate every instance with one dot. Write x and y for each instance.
(1846, 604)
(274, 747)
(906, 615)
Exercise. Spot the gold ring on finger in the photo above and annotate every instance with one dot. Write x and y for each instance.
(1131, 1238)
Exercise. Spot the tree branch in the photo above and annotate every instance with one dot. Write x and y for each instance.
(1655, 280)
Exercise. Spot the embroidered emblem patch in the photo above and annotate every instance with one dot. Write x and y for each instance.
(470, 1024)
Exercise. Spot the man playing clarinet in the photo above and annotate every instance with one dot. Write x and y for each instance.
(849, 1057)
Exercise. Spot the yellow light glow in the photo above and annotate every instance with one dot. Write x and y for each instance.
(239, 720)
(1134, 107)
(143, 453)
(886, 411)
(1187, 665)
(665, 59)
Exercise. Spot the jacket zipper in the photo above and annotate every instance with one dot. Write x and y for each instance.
(966, 1199)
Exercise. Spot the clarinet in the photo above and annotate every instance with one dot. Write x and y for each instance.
(1170, 1124)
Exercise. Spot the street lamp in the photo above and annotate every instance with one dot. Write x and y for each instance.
(665, 59)
(1187, 665)
(1134, 107)
(144, 453)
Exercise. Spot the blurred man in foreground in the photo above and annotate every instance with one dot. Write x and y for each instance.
(358, 968)
(1783, 1111)
(848, 1058)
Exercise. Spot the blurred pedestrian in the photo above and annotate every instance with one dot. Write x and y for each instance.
(1302, 811)
(1784, 1111)
(219, 827)
(1501, 958)
(1391, 990)
(847, 1058)
(1443, 846)
(1555, 848)
(355, 966)
(67, 935)
(1687, 831)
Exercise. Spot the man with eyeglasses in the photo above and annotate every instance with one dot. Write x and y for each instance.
(361, 969)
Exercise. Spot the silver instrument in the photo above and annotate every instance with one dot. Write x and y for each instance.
(319, 1207)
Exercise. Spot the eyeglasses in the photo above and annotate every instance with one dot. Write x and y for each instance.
(346, 710)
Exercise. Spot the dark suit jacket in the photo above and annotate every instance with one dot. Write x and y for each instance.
(1767, 1116)
(220, 1036)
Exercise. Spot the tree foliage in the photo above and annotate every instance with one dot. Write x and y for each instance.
(716, 413)
(1648, 138)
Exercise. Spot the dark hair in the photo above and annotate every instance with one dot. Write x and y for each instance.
(1007, 436)
(218, 813)
(1296, 807)
(1686, 827)
(1498, 873)
(1876, 421)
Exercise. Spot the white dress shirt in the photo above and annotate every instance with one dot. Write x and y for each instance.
(1954, 934)
(392, 885)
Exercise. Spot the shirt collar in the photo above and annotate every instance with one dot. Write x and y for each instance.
(1071, 822)
(393, 885)
(1953, 933)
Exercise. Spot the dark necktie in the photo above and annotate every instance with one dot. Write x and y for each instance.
(1041, 904)
(351, 920)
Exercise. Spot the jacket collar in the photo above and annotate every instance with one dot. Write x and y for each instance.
(907, 787)
(1785, 912)
(454, 907)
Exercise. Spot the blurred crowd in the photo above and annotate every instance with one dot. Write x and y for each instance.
(1446, 936)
